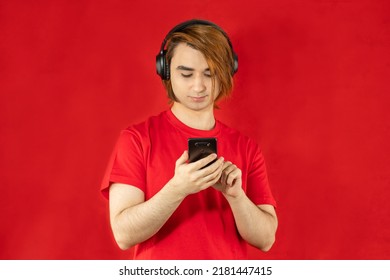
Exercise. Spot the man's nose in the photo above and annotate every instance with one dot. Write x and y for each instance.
(199, 83)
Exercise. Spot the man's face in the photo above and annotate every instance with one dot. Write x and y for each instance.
(191, 80)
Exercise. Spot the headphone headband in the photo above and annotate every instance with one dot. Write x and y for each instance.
(162, 65)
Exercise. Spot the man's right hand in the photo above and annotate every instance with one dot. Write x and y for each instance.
(191, 178)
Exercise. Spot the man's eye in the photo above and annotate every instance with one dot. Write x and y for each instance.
(186, 75)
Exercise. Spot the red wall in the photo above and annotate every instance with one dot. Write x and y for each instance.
(312, 88)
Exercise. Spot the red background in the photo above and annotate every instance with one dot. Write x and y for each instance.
(312, 88)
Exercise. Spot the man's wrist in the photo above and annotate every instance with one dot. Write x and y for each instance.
(236, 197)
(174, 189)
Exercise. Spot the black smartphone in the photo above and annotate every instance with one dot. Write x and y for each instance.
(199, 148)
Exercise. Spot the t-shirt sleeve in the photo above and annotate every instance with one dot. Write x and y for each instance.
(126, 164)
(258, 188)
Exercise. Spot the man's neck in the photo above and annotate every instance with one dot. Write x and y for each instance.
(202, 120)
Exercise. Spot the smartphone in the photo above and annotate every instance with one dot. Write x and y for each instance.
(199, 148)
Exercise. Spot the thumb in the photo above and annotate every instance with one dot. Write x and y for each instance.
(182, 159)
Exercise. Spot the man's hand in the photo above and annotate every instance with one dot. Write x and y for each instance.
(230, 182)
(191, 178)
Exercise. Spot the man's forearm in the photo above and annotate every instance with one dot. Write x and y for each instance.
(256, 226)
(140, 222)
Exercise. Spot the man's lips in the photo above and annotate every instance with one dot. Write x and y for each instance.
(198, 98)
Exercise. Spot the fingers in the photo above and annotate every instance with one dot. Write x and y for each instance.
(214, 172)
(203, 162)
(196, 176)
(209, 175)
(182, 159)
(192, 177)
(230, 173)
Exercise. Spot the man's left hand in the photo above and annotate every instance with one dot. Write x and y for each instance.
(230, 183)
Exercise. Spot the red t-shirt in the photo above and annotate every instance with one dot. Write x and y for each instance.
(203, 226)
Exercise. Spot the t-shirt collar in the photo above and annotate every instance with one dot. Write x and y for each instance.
(192, 132)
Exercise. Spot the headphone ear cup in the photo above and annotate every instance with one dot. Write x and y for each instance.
(235, 63)
(160, 64)
(162, 67)
(167, 70)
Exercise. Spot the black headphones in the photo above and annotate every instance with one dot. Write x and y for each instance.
(162, 66)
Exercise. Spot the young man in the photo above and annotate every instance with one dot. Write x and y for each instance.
(172, 209)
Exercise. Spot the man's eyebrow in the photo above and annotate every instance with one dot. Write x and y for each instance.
(185, 68)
